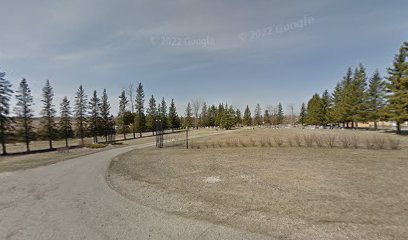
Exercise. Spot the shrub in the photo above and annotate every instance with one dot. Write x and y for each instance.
(278, 141)
(318, 140)
(298, 141)
(354, 141)
(308, 140)
(290, 142)
(331, 141)
(379, 142)
(264, 142)
(394, 143)
(243, 143)
(269, 142)
(252, 142)
(369, 144)
(96, 145)
(345, 141)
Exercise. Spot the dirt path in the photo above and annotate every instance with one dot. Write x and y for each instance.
(71, 200)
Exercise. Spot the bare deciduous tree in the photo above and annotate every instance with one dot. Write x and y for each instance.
(196, 106)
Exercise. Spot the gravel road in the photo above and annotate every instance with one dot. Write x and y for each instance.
(72, 200)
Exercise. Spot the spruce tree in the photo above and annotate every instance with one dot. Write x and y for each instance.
(24, 111)
(48, 113)
(94, 116)
(6, 127)
(258, 115)
(65, 120)
(375, 98)
(123, 102)
(139, 106)
(228, 118)
(204, 115)
(247, 119)
(280, 114)
(267, 117)
(173, 118)
(80, 109)
(358, 103)
(325, 105)
(162, 108)
(238, 117)
(314, 110)
(106, 118)
(397, 88)
(151, 115)
(188, 121)
(303, 114)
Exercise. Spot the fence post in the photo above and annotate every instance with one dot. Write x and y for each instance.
(187, 138)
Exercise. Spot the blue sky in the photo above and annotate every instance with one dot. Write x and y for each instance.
(235, 51)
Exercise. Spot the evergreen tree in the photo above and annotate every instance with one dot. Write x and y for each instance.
(48, 113)
(220, 112)
(139, 106)
(267, 117)
(375, 98)
(106, 119)
(173, 118)
(238, 117)
(303, 114)
(247, 120)
(358, 104)
(123, 103)
(151, 115)
(80, 112)
(228, 118)
(212, 114)
(188, 121)
(65, 121)
(24, 111)
(345, 107)
(204, 115)
(94, 116)
(258, 115)
(280, 114)
(314, 111)
(6, 127)
(325, 105)
(163, 113)
(397, 88)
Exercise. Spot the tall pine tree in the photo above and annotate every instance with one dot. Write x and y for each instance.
(106, 118)
(123, 102)
(375, 98)
(397, 88)
(139, 106)
(65, 124)
(48, 113)
(24, 111)
(188, 120)
(173, 118)
(80, 109)
(151, 114)
(303, 114)
(258, 115)
(94, 122)
(6, 127)
(247, 119)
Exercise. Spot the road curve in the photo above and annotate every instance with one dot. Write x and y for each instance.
(72, 200)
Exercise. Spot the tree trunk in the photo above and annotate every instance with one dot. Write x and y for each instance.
(50, 143)
(375, 126)
(398, 128)
(3, 144)
(66, 140)
(140, 134)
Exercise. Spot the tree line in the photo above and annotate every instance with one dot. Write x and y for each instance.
(358, 98)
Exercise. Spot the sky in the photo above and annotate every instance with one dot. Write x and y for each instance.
(232, 51)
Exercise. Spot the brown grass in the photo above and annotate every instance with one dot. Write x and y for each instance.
(284, 193)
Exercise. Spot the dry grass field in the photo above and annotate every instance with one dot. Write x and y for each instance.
(263, 181)
(27, 161)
